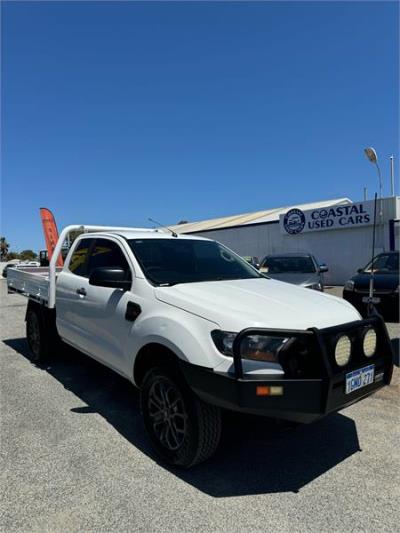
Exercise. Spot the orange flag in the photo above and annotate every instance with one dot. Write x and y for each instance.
(50, 233)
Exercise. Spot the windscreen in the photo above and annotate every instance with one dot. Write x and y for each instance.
(384, 264)
(281, 265)
(172, 261)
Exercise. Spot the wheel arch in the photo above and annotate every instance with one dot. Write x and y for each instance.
(180, 338)
(46, 316)
(32, 305)
(153, 354)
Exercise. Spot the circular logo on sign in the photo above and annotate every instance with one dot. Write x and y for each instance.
(294, 221)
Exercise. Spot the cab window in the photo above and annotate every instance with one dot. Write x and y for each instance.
(384, 263)
(78, 261)
(106, 253)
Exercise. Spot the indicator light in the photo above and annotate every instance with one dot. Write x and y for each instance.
(263, 390)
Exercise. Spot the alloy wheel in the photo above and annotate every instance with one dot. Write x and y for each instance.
(167, 414)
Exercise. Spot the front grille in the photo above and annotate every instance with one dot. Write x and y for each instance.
(375, 293)
(300, 359)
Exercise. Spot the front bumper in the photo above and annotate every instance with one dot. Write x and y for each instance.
(304, 399)
(388, 305)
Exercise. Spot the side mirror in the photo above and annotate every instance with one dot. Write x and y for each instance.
(112, 277)
(323, 268)
(360, 270)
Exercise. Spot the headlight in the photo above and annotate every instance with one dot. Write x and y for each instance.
(262, 348)
(349, 285)
(254, 347)
(369, 342)
(343, 350)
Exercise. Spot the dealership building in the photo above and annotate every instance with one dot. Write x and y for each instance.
(338, 232)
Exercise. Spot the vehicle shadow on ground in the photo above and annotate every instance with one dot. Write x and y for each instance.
(256, 455)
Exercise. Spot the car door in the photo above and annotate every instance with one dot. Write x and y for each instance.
(102, 314)
(72, 283)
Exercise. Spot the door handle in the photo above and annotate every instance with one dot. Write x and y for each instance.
(81, 292)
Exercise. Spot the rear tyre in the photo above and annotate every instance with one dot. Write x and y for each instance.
(38, 339)
(183, 430)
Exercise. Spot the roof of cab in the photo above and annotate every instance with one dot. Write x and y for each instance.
(144, 234)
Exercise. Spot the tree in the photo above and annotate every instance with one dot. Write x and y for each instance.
(12, 255)
(27, 255)
(4, 246)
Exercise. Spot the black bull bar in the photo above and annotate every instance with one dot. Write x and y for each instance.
(310, 389)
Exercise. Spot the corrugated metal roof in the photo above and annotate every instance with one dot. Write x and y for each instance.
(268, 215)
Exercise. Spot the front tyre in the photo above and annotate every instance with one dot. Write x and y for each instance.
(184, 430)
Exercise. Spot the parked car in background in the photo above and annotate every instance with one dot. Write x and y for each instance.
(385, 267)
(297, 268)
(8, 265)
(252, 260)
(30, 264)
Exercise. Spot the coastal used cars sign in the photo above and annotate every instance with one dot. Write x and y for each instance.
(296, 221)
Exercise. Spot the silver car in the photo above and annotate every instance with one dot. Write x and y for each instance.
(297, 268)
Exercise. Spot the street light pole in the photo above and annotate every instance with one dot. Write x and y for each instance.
(373, 157)
(380, 187)
(392, 175)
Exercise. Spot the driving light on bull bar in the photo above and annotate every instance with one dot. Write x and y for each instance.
(342, 350)
(369, 342)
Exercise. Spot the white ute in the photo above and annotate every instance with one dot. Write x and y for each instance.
(197, 329)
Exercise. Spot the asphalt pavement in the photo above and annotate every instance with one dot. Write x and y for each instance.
(75, 458)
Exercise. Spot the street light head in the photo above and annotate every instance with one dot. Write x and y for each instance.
(371, 154)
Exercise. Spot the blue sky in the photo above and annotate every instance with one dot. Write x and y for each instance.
(116, 112)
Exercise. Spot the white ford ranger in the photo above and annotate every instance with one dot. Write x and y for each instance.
(197, 329)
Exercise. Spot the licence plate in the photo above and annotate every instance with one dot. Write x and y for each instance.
(375, 299)
(359, 378)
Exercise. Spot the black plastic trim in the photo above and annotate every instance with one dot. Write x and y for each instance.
(133, 310)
